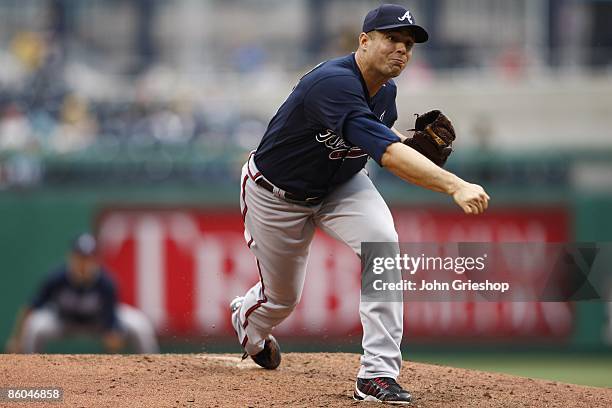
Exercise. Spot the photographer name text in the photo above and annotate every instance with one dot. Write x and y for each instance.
(436, 286)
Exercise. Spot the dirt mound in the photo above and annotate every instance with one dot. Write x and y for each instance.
(309, 380)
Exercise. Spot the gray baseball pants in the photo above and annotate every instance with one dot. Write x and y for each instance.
(279, 234)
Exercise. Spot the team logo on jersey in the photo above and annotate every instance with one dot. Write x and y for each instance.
(339, 149)
(406, 16)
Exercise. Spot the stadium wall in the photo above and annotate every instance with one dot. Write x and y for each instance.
(37, 225)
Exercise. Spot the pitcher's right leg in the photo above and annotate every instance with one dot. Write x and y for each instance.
(279, 235)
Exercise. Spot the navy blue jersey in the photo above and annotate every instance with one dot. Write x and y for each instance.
(324, 132)
(94, 304)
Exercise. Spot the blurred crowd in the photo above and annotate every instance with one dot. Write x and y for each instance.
(47, 111)
(79, 76)
(44, 110)
(46, 103)
(73, 74)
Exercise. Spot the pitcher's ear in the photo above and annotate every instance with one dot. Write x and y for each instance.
(364, 38)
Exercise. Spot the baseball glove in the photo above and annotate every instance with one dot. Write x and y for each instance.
(433, 137)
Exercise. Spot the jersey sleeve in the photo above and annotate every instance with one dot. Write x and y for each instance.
(330, 101)
(370, 135)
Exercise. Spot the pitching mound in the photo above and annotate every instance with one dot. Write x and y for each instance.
(310, 380)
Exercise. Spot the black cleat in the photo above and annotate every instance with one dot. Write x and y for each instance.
(270, 357)
(381, 389)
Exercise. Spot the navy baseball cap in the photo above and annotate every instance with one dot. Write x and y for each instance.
(389, 16)
(84, 244)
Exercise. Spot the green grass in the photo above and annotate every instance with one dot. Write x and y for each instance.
(590, 369)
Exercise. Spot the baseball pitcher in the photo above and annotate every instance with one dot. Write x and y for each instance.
(308, 172)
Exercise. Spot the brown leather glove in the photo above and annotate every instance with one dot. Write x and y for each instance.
(433, 137)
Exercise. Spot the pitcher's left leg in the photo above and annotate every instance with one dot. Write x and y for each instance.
(355, 213)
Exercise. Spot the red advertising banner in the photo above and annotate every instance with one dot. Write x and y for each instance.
(183, 266)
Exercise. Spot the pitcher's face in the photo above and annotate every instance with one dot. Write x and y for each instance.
(388, 52)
